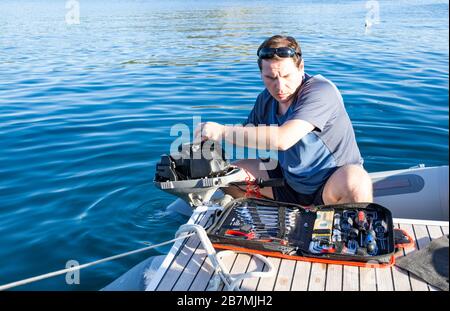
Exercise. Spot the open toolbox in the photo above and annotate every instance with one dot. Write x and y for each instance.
(360, 234)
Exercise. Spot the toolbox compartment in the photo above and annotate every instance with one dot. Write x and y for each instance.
(359, 234)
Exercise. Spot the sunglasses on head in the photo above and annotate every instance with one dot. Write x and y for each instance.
(283, 52)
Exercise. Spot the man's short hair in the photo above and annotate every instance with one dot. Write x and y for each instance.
(278, 41)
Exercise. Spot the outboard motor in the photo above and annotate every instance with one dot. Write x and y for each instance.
(195, 172)
(193, 161)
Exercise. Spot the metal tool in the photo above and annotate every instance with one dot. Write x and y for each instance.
(347, 224)
(352, 247)
(337, 234)
(361, 221)
(371, 243)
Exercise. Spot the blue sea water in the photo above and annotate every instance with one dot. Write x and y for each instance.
(86, 109)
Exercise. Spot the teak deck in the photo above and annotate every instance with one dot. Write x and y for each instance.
(187, 268)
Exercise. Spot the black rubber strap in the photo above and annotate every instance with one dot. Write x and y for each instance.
(273, 182)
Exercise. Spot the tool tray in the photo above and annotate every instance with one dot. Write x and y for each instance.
(360, 234)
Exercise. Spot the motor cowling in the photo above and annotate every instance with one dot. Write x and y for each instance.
(193, 161)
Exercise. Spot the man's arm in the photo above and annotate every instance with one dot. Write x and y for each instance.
(259, 137)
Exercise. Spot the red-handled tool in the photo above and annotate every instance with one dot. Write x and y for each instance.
(252, 236)
(249, 235)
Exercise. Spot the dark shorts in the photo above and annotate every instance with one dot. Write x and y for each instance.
(289, 195)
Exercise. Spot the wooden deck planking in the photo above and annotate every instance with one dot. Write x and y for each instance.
(196, 218)
(334, 278)
(401, 279)
(416, 283)
(368, 279)
(384, 279)
(268, 284)
(285, 275)
(228, 260)
(240, 265)
(423, 238)
(400, 276)
(252, 283)
(181, 259)
(187, 276)
(192, 270)
(351, 279)
(201, 280)
(318, 276)
(434, 232)
(194, 265)
(301, 276)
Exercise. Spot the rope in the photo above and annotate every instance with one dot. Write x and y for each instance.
(64, 271)
(252, 188)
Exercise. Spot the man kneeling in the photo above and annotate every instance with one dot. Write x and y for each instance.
(302, 117)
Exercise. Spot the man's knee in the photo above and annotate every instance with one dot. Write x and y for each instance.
(359, 184)
(356, 177)
(351, 183)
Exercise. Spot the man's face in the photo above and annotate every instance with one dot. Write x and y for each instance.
(282, 78)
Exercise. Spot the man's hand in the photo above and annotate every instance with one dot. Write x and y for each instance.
(209, 131)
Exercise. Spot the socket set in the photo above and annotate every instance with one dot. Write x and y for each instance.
(355, 232)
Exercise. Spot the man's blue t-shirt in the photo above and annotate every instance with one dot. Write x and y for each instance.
(309, 163)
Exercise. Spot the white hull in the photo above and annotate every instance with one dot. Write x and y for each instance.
(417, 193)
